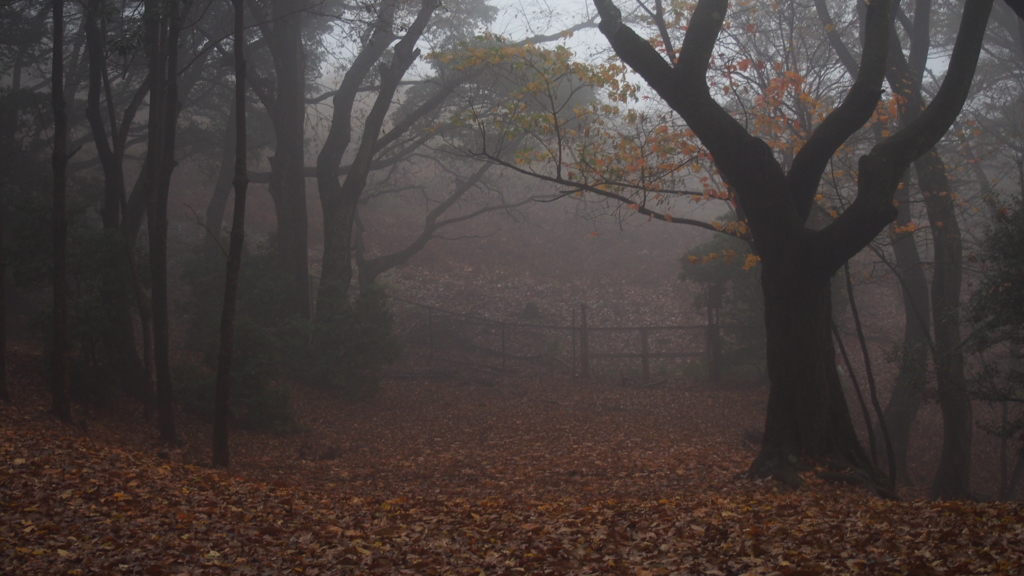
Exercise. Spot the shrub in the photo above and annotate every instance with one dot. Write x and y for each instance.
(727, 262)
(996, 308)
(97, 267)
(274, 347)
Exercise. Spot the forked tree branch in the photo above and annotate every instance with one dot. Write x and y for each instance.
(1017, 6)
(881, 170)
(848, 117)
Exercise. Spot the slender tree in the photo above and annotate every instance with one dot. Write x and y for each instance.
(227, 323)
(952, 479)
(163, 26)
(340, 199)
(22, 46)
(905, 75)
(5, 394)
(60, 383)
(907, 397)
(118, 333)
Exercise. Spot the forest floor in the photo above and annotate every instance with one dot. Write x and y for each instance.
(460, 471)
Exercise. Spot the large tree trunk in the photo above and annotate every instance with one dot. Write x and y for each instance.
(60, 378)
(808, 418)
(287, 179)
(336, 271)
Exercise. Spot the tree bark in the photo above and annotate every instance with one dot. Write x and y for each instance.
(162, 38)
(952, 480)
(60, 378)
(287, 178)
(808, 417)
(222, 407)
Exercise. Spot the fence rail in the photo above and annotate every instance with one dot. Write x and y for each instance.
(582, 349)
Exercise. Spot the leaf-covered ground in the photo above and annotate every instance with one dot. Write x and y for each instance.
(464, 471)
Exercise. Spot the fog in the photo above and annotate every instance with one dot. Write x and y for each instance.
(706, 289)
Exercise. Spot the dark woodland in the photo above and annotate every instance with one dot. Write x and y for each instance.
(597, 287)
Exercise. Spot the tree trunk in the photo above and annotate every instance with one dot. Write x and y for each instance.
(222, 407)
(953, 477)
(339, 206)
(340, 202)
(5, 394)
(906, 399)
(60, 378)
(952, 480)
(1018, 473)
(163, 40)
(336, 271)
(808, 418)
(119, 332)
(222, 189)
(287, 179)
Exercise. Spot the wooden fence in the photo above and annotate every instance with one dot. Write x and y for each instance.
(496, 338)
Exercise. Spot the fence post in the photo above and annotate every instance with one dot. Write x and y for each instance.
(572, 331)
(502, 324)
(584, 343)
(714, 352)
(714, 340)
(430, 327)
(644, 351)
